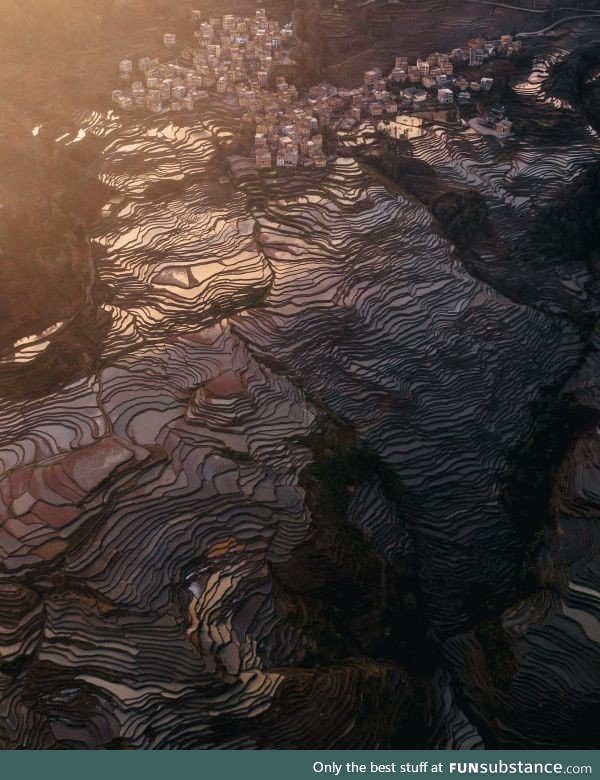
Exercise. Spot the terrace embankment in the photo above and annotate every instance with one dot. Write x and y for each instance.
(272, 510)
(358, 39)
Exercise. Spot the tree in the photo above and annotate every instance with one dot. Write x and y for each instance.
(307, 52)
(330, 140)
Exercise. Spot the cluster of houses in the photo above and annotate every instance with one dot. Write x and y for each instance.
(288, 132)
(239, 58)
(494, 118)
(431, 80)
(231, 56)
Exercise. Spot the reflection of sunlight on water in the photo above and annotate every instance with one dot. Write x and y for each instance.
(173, 256)
(360, 301)
(363, 136)
(33, 338)
(79, 137)
(29, 347)
(174, 133)
(534, 85)
(36, 130)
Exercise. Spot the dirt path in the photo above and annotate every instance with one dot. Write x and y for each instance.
(354, 56)
(594, 14)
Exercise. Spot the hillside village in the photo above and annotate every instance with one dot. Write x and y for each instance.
(245, 61)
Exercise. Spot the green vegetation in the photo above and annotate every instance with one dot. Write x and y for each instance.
(532, 474)
(341, 462)
(330, 140)
(242, 143)
(570, 226)
(43, 250)
(50, 195)
(393, 157)
(308, 49)
(464, 215)
(500, 659)
(72, 352)
(572, 79)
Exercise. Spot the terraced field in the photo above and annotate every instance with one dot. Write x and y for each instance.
(273, 511)
(373, 36)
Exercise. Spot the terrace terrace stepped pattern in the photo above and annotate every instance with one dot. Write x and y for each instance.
(272, 514)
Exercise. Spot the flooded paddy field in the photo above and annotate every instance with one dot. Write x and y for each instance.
(289, 496)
